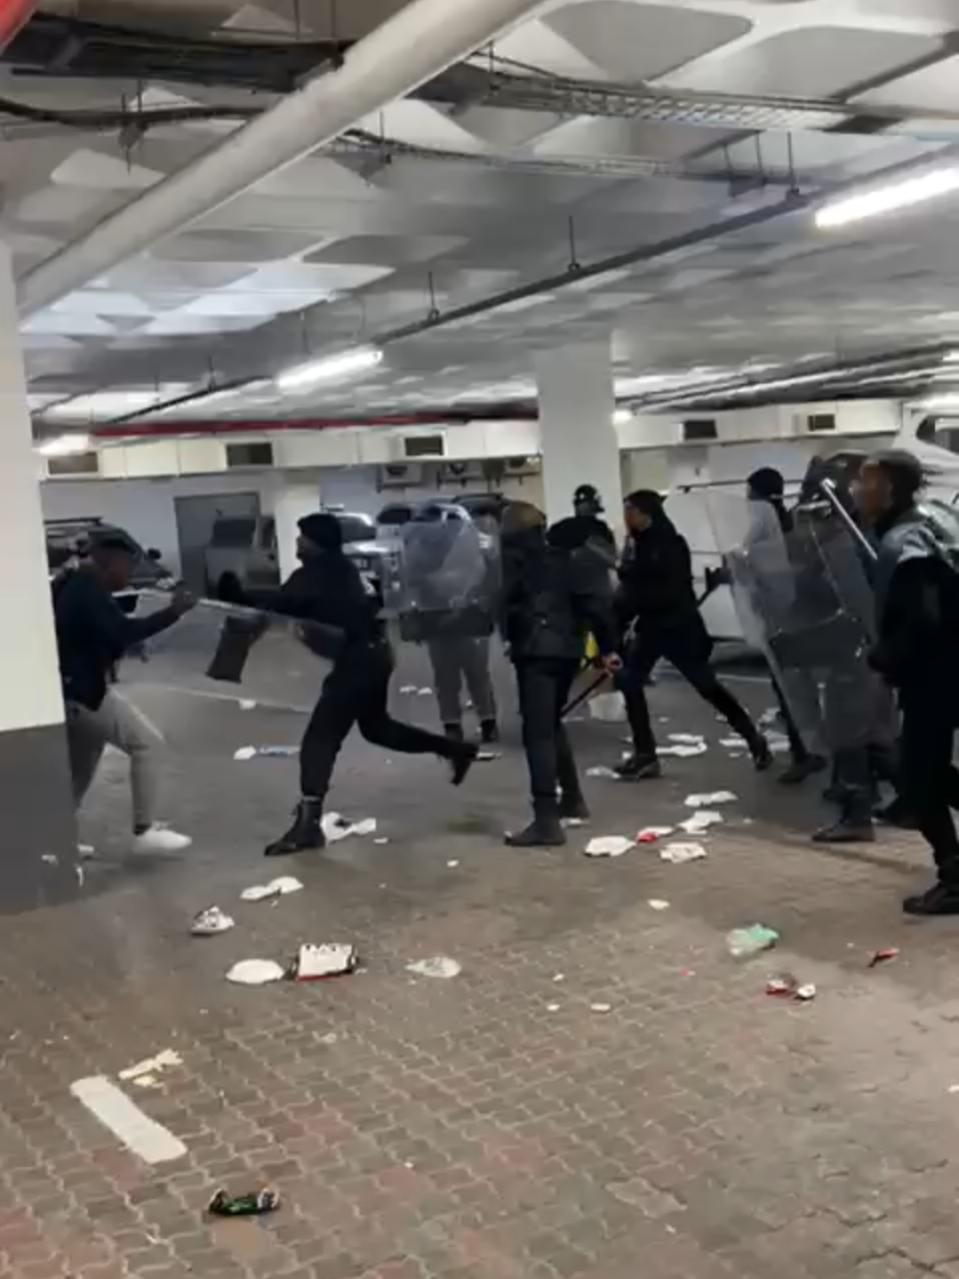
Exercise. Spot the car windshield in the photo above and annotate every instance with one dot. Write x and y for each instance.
(357, 528)
(234, 532)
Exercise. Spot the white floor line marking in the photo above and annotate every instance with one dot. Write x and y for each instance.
(113, 1108)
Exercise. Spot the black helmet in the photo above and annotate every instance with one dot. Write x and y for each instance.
(588, 495)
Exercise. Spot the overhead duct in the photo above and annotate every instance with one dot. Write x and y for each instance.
(413, 46)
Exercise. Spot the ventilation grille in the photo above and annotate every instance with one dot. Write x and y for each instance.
(258, 453)
(424, 446)
(74, 464)
(698, 430)
(816, 423)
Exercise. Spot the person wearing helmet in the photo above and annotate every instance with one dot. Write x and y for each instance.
(593, 532)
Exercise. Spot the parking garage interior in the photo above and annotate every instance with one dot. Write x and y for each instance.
(261, 260)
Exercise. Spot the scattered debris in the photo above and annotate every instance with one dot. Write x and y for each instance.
(688, 739)
(601, 1008)
(778, 743)
(733, 743)
(771, 715)
(601, 770)
(452, 864)
(383, 839)
(700, 822)
(553, 1008)
(255, 972)
(313, 963)
(608, 708)
(650, 834)
(211, 922)
(424, 692)
(717, 797)
(266, 752)
(743, 943)
(438, 966)
(573, 823)
(883, 956)
(149, 1069)
(247, 705)
(87, 852)
(687, 972)
(679, 854)
(336, 827)
(50, 859)
(281, 887)
(329, 1039)
(407, 689)
(487, 757)
(786, 986)
(683, 752)
(657, 903)
(609, 846)
(560, 977)
(255, 1204)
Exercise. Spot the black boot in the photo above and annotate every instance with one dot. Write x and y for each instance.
(850, 829)
(573, 808)
(305, 833)
(800, 769)
(639, 768)
(762, 755)
(489, 732)
(895, 813)
(544, 831)
(462, 762)
(454, 732)
(941, 899)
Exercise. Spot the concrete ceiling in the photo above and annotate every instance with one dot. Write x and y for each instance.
(342, 247)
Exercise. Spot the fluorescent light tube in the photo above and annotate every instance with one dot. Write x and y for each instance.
(889, 198)
(330, 369)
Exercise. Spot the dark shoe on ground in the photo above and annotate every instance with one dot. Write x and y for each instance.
(762, 755)
(800, 769)
(895, 813)
(846, 831)
(941, 899)
(462, 762)
(573, 808)
(454, 732)
(489, 732)
(639, 768)
(542, 832)
(306, 832)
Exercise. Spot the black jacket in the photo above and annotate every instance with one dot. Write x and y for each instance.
(552, 597)
(93, 633)
(656, 580)
(328, 593)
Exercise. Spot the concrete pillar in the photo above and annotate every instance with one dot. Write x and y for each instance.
(578, 439)
(38, 858)
(291, 501)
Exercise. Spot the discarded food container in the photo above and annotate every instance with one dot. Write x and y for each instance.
(255, 1204)
(742, 943)
(314, 963)
(679, 854)
(608, 846)
(211, 922)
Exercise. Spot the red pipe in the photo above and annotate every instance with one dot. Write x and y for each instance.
(14, 14)
(270, 426)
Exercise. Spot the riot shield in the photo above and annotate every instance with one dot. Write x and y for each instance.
(805, 601)
(446, 578)
(222, 650)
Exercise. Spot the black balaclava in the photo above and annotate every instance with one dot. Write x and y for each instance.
(323, 530)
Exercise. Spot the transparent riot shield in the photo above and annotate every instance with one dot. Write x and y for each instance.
(805, 601)
(223, 650)
(445, 580)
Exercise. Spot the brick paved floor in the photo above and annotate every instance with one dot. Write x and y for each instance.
(493, 1126)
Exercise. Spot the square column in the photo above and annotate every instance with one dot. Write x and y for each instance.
(578, 439)
(38, 861)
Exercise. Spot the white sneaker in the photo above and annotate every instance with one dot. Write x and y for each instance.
(160, 839)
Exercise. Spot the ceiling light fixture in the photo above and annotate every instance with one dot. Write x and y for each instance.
(64, 445)
(331, 368)
(622, 416)
(889, 198)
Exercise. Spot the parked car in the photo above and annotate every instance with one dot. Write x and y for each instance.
(243, 550)
(69, 540)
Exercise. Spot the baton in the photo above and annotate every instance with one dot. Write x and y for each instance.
(829, 489)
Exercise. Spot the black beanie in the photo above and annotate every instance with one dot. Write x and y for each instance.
(323, 530)
(766, 483)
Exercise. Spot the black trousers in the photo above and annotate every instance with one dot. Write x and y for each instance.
(544, 686)
(356, 692)
(929, 780)
(687, 647)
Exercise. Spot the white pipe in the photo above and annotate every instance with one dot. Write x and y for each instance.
(416, 44)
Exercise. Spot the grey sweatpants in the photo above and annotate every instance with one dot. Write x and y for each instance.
(454, 660)
(114, 723)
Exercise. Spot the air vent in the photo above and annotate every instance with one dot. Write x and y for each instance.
(74, 464)
(258, 453)
(424, 446)
(816, 423)
(698, 430)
